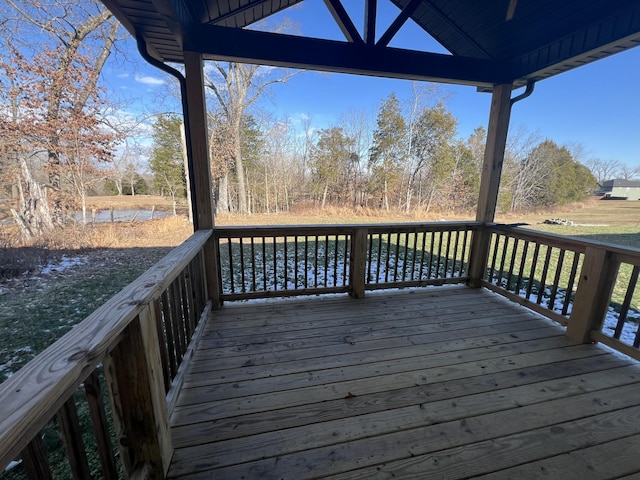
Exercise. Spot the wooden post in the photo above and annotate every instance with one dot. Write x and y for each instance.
(597, 279)
(357, 262)
(136, 385)
(490, 180)
(198, 136)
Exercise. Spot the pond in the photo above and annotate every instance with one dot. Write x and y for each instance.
(103, 216)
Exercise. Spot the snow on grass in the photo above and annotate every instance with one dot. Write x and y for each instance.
(63, 264)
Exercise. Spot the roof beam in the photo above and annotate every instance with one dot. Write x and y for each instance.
(398, 23)
(250, 46)
(370, 8)
(343, 20)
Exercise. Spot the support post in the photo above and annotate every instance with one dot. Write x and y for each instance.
(198, 136)
(134, 375)
(597, 279)
(357, 262)
(490, 180)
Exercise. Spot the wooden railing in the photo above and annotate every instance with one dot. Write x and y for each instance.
(259, 262)
(106, 388)
(589, 286)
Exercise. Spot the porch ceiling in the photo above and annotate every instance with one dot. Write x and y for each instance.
(492, 42)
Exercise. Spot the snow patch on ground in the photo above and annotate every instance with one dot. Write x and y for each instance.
(63, 264)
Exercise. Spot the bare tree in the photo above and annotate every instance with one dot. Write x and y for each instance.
(78, 38)
(604, 170)
(358, 126)
(235, 87)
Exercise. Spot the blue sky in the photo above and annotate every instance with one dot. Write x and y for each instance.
(597, 105)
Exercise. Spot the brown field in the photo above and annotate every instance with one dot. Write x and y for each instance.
(598, 219)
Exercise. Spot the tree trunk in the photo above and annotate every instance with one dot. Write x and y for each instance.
(324, 195)
(222, 205)
(239, 166)
(34, 217)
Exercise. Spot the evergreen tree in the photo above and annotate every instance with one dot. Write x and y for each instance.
(331, 163)
(167, 162)
(389, 151)
(434, 151)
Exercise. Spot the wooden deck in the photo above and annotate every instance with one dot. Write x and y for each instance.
(446, 382)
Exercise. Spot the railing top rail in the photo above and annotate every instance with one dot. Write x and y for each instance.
(30, 397)
(337, 229)
(565, 241)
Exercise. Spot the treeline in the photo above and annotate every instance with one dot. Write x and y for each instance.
(410, 157)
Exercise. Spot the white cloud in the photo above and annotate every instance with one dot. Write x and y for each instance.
(148, 80)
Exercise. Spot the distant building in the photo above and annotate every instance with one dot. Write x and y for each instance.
(619, 189)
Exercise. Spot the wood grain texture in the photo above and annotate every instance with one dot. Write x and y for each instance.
(33, 395)
(404, 385)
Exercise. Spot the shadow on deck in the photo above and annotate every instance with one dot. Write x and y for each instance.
(431, 383)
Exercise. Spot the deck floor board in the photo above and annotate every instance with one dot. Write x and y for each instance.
(445, 382)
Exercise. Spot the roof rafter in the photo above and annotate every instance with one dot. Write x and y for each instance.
(397, 24)
(370, 8)
(343, 20)
(250, 46)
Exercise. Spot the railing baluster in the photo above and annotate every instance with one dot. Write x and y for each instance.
(571, 283)
(306, 261)
(285, 262)
(253, 264)
(186, 307)
(335, 261)
(432, 247)
(556, 279)
(72, 440)
(464, 265)
(347, 259)
(100, 424)
(377, 279)
(164, 345)
(423, 249)
(231, 274)
(404, 258)
(446, 255)
(35, 460)
(439, 261)
(295, 262)
(413, 255)
(177, 321)
(168, 330)
(543, 276)
(455, 253)
(396, 258)
(387, 262)
(496, 239)
(242, 265)
(512, 263)
(264, 264)
(315, 266)
(523, 262)
(503, 259)
(624, 310)
(532, 270)
(275, 264)
(326, 260)
(369, 257)
(190, 299)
